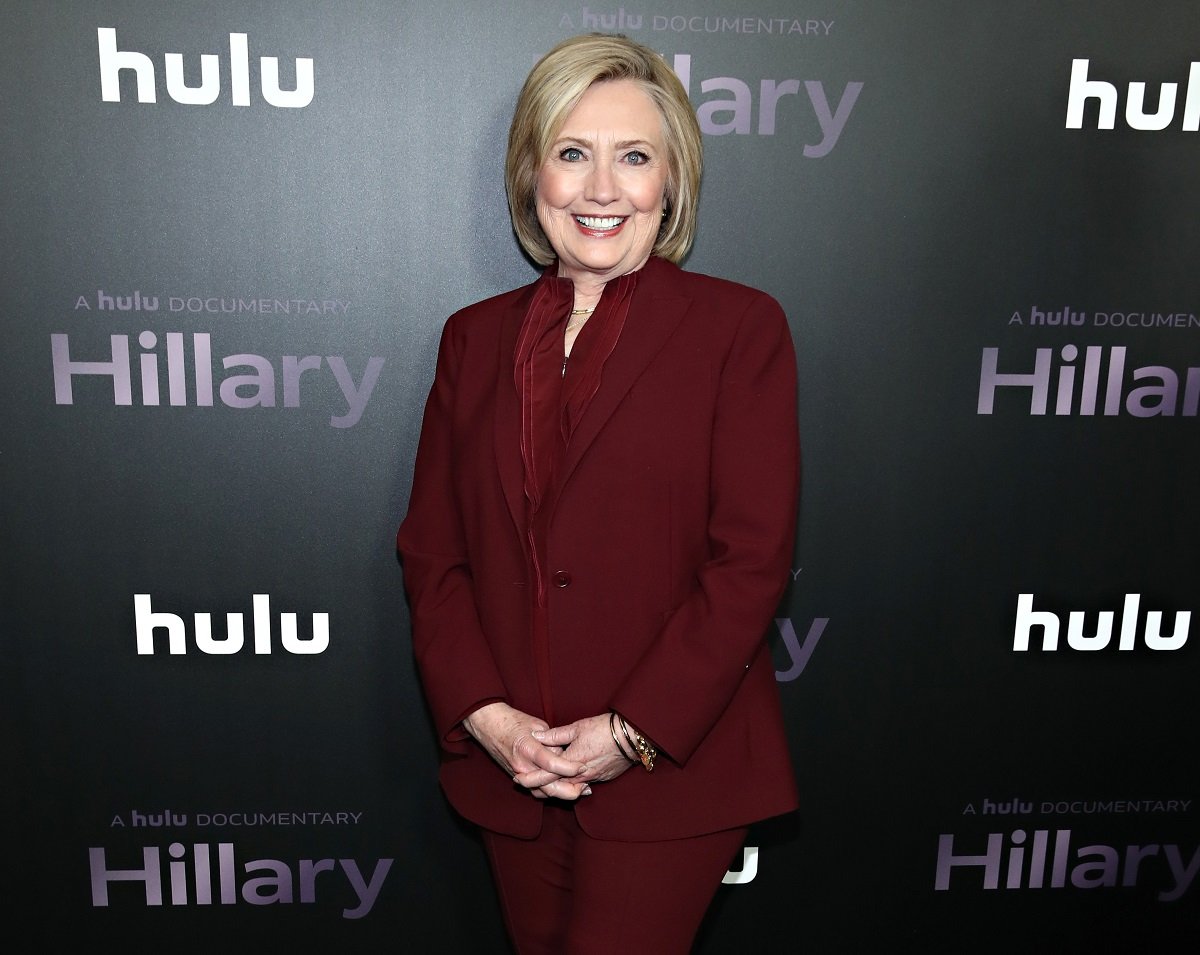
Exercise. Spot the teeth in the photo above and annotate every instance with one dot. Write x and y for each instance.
(599, 222)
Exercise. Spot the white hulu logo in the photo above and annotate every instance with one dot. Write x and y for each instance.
(748, 870)
(1051, 624)
(147, 620)
(1082, 89)
(112, 61)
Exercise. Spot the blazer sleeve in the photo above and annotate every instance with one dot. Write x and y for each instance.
(684, 682)
(456, 666)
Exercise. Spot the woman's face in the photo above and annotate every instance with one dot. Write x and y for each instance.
(600, 191)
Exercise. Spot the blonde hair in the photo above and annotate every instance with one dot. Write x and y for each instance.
(553, 88)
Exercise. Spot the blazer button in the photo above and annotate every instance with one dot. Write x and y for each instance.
(562, 578)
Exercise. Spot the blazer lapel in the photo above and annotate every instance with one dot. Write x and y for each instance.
(654, 314)
(507, 417)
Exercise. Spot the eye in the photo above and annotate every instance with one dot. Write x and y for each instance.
(571, 154)
(637, 158)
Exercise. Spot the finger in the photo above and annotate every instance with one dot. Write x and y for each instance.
(559, 765)
(557, 735)
(564, 790)
(535, 779)
(532, 755)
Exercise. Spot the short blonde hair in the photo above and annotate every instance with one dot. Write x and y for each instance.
(552, 90)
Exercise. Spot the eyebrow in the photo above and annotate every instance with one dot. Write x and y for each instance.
(623, 144)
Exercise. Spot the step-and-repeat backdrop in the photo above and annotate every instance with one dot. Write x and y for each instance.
(231, 234)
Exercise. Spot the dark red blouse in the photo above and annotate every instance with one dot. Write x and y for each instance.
(555, 392)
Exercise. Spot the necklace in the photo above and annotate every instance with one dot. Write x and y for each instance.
(579, 317)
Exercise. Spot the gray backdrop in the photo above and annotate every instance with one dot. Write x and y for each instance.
(220, 321)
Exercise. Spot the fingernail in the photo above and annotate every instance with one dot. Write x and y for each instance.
(587, 790)
(538, 734)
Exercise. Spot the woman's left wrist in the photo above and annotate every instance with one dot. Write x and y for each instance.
(613, 719)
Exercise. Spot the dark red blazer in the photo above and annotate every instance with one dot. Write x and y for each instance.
(669, 547)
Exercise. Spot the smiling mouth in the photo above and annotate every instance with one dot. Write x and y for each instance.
(600, 223)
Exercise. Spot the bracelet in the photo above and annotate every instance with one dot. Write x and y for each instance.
(640, 745)
(612, 728)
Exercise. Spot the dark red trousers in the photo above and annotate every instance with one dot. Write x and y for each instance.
(569, 894)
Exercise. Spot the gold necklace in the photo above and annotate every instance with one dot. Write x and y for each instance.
(585, 312)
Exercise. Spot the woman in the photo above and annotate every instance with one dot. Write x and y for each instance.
(601, 525)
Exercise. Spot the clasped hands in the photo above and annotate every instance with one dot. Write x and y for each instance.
(559, 761)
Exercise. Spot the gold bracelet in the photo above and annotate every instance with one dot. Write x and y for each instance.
(628, 738)
(612, 728)
(640, 745)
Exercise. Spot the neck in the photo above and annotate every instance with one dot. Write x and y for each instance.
(587, 294)
(589, 286)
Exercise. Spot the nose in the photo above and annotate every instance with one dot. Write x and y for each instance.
(601, 186)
